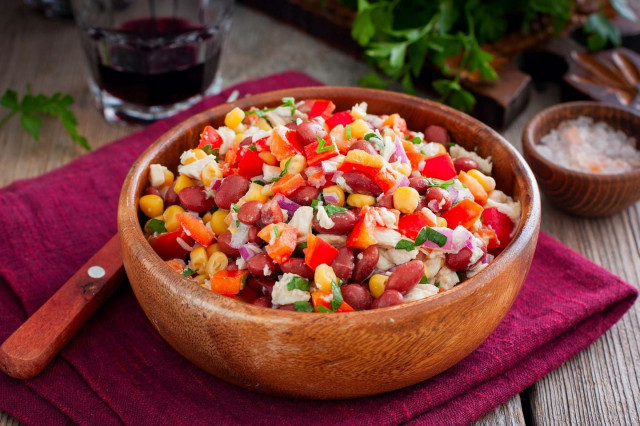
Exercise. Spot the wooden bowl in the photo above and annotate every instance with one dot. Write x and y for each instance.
(580, 193)
(330, 356)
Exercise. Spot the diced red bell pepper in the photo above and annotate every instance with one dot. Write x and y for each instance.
(322, 108)
(250, 164)
(499, 222)
(385, 179)
(281, 146)
(343, 117)
(316, 154)
(195, 228)
(292, 138)
(284, 243)
(478, 192)
(166, 245)
(362, 235)
(411, 224)
(210, 136)
(288, 183)
(489, 236)
(319, 298)
(439, 166)
(262, 144)
(318, 252)
(228, 282)
(360, 161)
(465, 213)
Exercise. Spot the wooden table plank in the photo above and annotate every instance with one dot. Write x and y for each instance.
(508, 414)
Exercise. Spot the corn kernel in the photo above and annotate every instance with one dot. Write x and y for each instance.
(334, 190)
(181, 183)
(210, 173)
(404, 168)
(442, 222)
(268, 158)
(255, 193)
(197, 154)
(239, 137)
(168, 178)
(217, 222)
(262, 124)
(377, 284)
(296, 164)
(199, 258)
(151, 205)
(207, 217)
(233, 118)
(426, 271)
(323, 277)
(360, 200)
(359, 128)
(406, 199)
(441, 149)
(267, 190)
(216, 263)
(212, 249)
(170, 219)
(487, 182)
(200, 279)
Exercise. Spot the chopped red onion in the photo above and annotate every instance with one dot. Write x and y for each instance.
(487, 258)
(402, 180)
(400, 153)
(240, 237)
(330, 198)
(247, 251)
(286, 204)
(216, 184)
(448, 246)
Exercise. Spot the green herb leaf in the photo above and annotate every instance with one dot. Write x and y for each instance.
(252, 147)
(208, 149)
(444, 184)
(301, 306)
(298, 283)
(156, 226)
(337, 300)
(368, 136)
(347, 130)
(601, 31)
(276, 231)
(416, 140)
(405, 245)
(290, 102)
(244, 280)
(286, 168)
(432, 235)
(189, 272)
(437, 284)
(322, 147)
(373, 80)
(424, 279)
(259, 182)
(235, 207)
(332, 209)
(324, 310)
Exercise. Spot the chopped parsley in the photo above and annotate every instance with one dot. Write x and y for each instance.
(259, 182)
(189, 272)
(244, 280)
(369, 136)
(405, 245)
(332, 209)
(322, 145)
(235, 207)
(347, 130)
(425, 234)
(290, 102)
(437, 284)
(424, 279)
(157, 226)
(286, 167)
(276, 231)
(324, 310)
(444, 184)
(450, 144)
(317, 202)
(298, 283)
(252, 147)
(302, 306)
(207, 148)
(416, 140)
(337, 300)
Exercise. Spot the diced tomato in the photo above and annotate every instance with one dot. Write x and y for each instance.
(439, 166)
(262, 144)
(358, 160)
(489, 236)
(321, 108)
(167, 246)
(385, 179)
(362, 235)
(195, 228)
(286, 238)
(318, 298)
(279, 143)
(316, 154)
(228, 282)
(500, 223)
(210, 136)
(478, 192)
(343, 117)
(318, 252)
(465, 213)
(411, 224)
(288, 183)
(395, 122)
(250, 164)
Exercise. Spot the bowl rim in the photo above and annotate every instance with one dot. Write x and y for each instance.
(128, 216)
(529, 143)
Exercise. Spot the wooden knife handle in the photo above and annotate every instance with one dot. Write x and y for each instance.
(39, 339)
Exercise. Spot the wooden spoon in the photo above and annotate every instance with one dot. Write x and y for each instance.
(39, 339)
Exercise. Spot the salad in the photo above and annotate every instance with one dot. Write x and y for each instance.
(306, 208)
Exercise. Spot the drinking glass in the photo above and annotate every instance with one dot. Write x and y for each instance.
(149, 59)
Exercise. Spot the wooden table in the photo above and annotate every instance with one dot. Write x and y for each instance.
(598, 386)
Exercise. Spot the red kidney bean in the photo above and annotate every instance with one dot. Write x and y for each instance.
(304, 195)
(233, 266)
(438, 134)
(388, 298)
(343, 223)
(386, 201)
(248, 294)
(438, 199)
(291, 125)
(364, 146)
(464, 164)
(261, 261)
(253, 235)
(361, 184)
(194, 198)
(271, 213)
(231, 190)
(297, 266)
(249, 212)
(170, 197)
(356, 296)
(309, 131)
(365, 262)
(458, 261)
(343, 263)
(406, 276)
(262, 285)
(152, 191)
(422, 203)
(262, 301)
(419, 184)
(288, 307)
(246, 141)
(224, 241)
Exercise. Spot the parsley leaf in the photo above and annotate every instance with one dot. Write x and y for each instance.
(208, 149)
(422, 236)
(405, 245)
(444, 184)
(290, 102)
(332, 209)
(324, 310)
(33, 107)
(347, 131)
(276, 231)
(424, 279)
(286, 167)
(189, 272)
(322, 147)
(432, 235)
(369, 136)
(337, 300)
(235, 207)
(252, 147)
(298, 283)
(157, 226)
(302, 306)
(416, 140)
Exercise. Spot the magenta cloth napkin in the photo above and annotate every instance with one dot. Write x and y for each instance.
(119, 370)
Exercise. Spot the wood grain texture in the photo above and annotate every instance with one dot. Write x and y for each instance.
(508, 414)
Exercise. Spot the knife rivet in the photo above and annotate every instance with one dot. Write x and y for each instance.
(96, 272)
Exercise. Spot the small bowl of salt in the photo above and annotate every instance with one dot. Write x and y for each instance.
(585, 156)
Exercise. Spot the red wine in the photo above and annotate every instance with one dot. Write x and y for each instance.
(155, 61)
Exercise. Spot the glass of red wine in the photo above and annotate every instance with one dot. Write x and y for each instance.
(149, 59)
